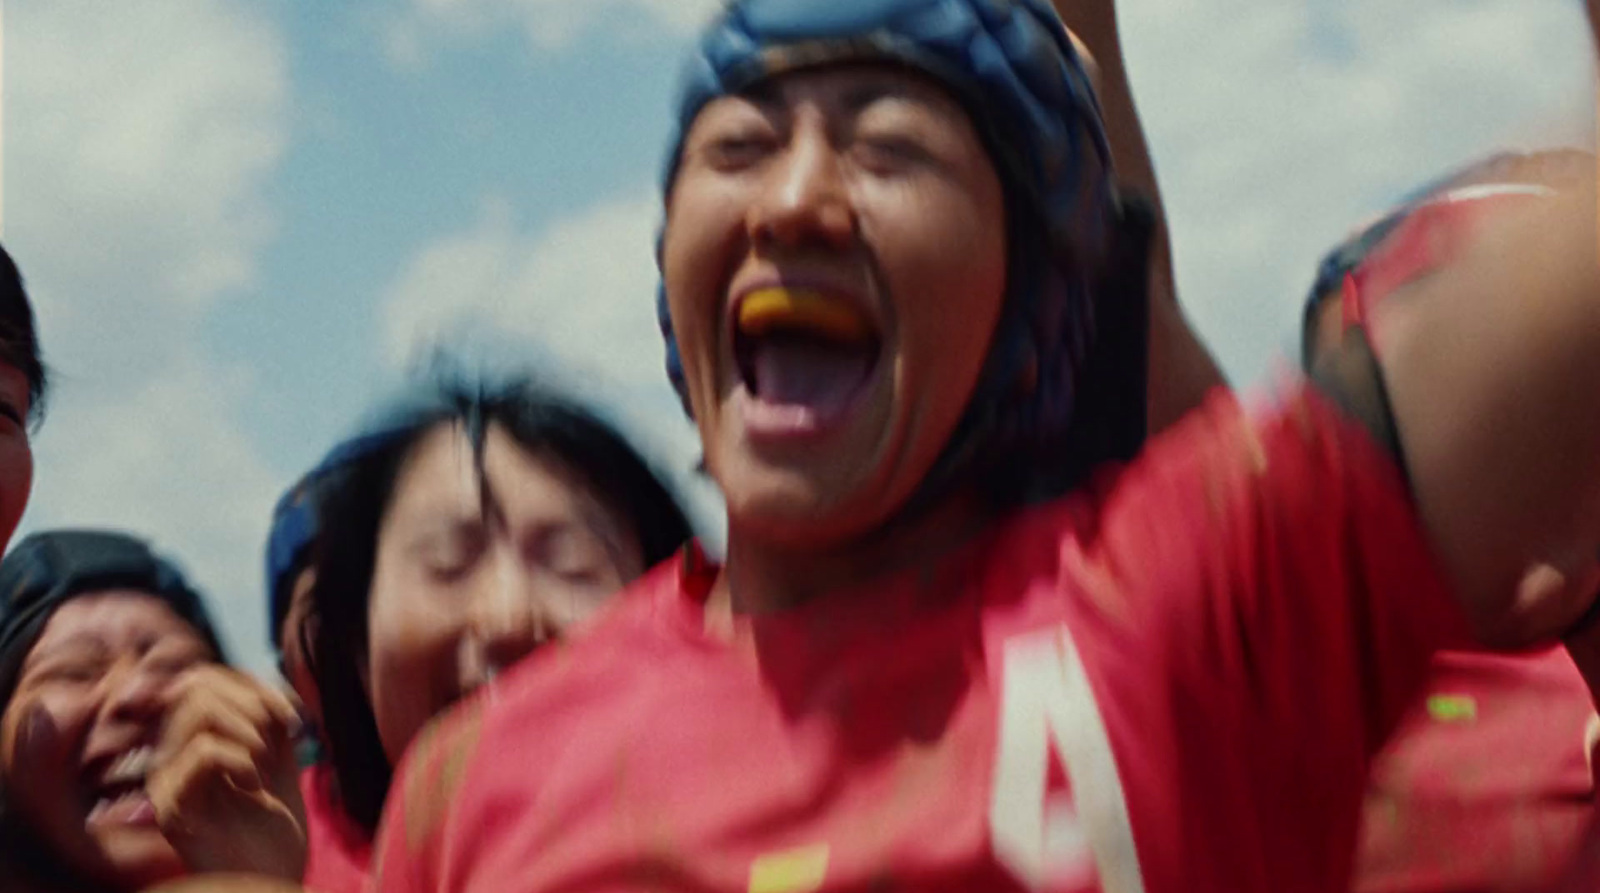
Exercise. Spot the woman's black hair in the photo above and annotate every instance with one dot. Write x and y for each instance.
(19, 338)
(352, 515)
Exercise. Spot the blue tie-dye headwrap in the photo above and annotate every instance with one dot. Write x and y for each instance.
(1012, 65)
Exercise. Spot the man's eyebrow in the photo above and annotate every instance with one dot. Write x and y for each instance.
(852, 98)
(859, 96)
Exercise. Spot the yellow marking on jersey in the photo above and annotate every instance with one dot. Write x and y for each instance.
(1453, 708)
(791, 871)
(769, 309)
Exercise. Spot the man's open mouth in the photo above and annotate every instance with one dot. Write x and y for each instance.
(803, 350)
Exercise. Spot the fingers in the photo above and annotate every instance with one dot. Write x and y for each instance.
(230, 705)
(233, 687)
(208, 763)
(209, 717)
(219, 810)
(225, 757)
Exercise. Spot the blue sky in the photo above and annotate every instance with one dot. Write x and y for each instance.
(243, 221)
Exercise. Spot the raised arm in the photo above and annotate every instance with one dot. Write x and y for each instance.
(1495, 392)
(1181, 369)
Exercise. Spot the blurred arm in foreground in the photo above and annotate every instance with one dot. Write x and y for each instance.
(1181, 369)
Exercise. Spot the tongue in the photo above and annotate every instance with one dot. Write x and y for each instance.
(809, 372)
(132, 807)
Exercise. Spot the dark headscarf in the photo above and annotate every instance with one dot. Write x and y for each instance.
(47, 569)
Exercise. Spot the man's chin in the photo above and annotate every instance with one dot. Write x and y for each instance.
(794, 512)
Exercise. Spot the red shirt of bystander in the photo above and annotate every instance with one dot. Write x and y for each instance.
(1171, 682)
(1488, 785)
(337, 852)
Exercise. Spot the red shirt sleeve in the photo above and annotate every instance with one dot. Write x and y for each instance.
(337, 852)
(1583, 875)
(1263, 604)
(1317, 585)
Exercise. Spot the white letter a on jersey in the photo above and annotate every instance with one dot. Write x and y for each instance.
(1057, 840)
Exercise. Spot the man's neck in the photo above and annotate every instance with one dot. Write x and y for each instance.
(761, 576)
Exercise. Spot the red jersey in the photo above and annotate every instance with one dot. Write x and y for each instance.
(1584, 874)
(1171, 681)
(338, 853)
(1488, 784)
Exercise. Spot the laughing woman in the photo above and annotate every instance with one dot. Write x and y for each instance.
(469, 526)
(129, 753)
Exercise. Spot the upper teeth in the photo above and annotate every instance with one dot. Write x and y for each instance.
(132, 766)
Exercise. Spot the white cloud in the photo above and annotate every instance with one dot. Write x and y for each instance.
(547, 24)
(1278, 126)
(139, 133)
(583, 287)
(139, 140)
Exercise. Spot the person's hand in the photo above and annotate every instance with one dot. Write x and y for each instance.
(225, 787)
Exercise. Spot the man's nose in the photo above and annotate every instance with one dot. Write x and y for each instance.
(805, 198)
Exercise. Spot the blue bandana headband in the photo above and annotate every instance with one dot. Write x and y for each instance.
(1013, 67)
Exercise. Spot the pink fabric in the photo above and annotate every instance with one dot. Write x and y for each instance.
(338, 853)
